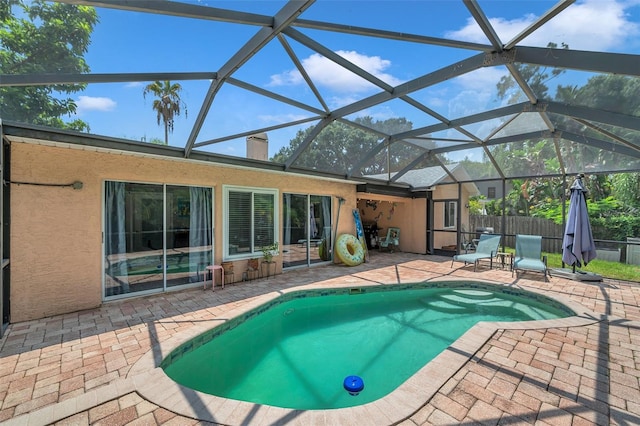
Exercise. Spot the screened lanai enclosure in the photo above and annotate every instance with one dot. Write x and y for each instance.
(542, 89)
(360, 91)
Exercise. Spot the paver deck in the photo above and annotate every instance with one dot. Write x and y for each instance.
(90, 367)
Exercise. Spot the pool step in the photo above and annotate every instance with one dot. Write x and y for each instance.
(465, 300)
(446, 306)
(475, 294)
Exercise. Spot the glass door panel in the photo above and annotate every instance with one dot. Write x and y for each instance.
(306, 230)
(295, 231)
(320, 226)
(189, 234)
(445, 227)
(133, 238)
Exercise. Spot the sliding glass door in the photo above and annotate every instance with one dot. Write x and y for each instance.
(306, 229)
(155, 237)
(189, 234)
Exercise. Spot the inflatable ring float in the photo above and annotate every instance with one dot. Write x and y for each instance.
(349, 250)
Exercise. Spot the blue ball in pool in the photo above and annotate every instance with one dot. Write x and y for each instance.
(353, 385)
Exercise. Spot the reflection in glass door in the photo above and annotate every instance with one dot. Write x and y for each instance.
(188, 234)
(142, 253)
(306, 229)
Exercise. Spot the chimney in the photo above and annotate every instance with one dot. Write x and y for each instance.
(258, 147)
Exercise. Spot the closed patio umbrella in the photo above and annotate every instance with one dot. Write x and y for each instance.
(578, 247)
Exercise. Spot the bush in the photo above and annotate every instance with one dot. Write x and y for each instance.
(615, 228)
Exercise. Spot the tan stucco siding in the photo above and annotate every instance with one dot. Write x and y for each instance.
(405, 213)
(448, 192)
(56, 232)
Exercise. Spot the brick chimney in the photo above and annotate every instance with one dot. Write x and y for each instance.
(258, 147)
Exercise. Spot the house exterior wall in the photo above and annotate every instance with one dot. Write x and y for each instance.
(405, 213)
(56, 232)
(448, 192)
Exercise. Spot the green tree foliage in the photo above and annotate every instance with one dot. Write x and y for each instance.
(616, 228)
(614, 93)
(610, 92)
(543, 197)
(340, 145)
(536, 76)
(167, 105)
(37, 37)
(626, 188)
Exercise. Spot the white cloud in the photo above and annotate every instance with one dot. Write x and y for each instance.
(594, 25)
(483, 79)
(468, 102)
(506, 29)
(326, 73)
(133, 84)
(90, 103)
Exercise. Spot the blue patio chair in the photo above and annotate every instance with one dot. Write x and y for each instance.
(528, 255)
(487, 248)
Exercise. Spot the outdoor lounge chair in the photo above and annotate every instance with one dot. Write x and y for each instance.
(391, 240)
(529, 255)
(487, 248)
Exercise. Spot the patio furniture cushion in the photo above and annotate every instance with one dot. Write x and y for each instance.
(392, 239)
(487, 248)
(529, 254)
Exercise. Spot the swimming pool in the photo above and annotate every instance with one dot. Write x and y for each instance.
(295, 351)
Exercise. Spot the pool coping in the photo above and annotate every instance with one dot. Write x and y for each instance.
(150, 381)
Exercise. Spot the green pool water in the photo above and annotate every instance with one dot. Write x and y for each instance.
(296, 354)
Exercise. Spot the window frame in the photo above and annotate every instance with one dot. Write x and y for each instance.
(254, 250)
(491, 192)
(165, 286)
(447, 205)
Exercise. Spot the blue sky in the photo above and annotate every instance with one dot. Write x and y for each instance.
(130, 42)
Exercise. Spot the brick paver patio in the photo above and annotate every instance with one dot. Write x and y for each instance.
(74, 369)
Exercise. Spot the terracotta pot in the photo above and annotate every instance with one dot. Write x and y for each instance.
(228, 266)
(253, 264)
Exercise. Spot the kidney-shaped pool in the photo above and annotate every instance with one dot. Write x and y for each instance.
(297, 350)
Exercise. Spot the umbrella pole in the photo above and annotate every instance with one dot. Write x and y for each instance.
(564, 209)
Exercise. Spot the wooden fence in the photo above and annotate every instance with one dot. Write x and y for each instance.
(551, 232)
(552, 236)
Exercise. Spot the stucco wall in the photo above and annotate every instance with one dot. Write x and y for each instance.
(448, 192)
(56, 232)
(405, 213)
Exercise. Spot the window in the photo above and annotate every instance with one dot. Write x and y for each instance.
(491, 192)
(251, 216)
(450, 214)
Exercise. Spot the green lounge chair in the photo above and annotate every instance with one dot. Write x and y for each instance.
(487, 248)
(528, 255)
(391, 241)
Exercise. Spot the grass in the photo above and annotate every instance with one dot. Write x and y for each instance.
(604, 268)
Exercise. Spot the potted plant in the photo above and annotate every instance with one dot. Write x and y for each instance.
(228, 267)
(269, 251)
(253, 264)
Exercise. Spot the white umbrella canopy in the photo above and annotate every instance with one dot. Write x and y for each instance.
(578, 247)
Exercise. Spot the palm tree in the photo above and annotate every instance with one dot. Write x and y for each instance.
(168, 104)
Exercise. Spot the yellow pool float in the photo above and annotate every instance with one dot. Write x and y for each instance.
(349, 250)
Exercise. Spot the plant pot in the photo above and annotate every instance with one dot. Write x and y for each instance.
(253, 264)
(228, 267)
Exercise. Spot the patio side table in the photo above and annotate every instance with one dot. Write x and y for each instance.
(213, 269)
(506, 259)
